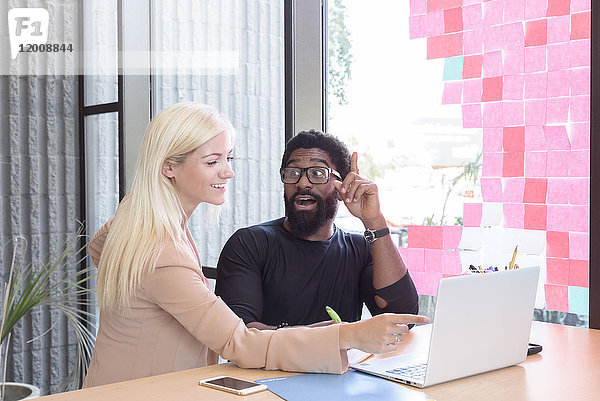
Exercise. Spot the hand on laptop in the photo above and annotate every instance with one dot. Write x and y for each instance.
(379, 334)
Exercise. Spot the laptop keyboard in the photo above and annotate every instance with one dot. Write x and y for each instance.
(416, 371)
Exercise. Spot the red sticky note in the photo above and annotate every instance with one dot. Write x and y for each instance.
(514, 10)
(473, 41)
(514, 36)
(414, 258)
(453, 21)
(579, 273)
(492, 38)
(534, 138)
(535, 32)
(580, 135)
(580, 53)
(535, 217)
(557, 163)
(557, 244)
(558, 83)
(514, 61)
(444, 46)
(536, 85)
(434, 5)
(492, 64)
(452, 236)
(418, 7)
(513, 139)
(580, 81)
(579, 247)
(579, 193)
(557, 110)
(472, 89)
(535, 59)
(557, 271)
(471, 114)
(472, 66)
(558, 56)
(513, 113)
(557, 297)
(472, 214)
(579, 165)
(430, 237)
(580, 108)
(431, 282)
(513, 215)
(556, 137)
(491, 189)
(535, 9)
(558, 191)
(558, 218)
(581, 25)
(472, 16)
(535, 190)
(513, 164)
(558, 7)
(492, 164)
(580, 218)
(492, 89)
(492, 139)
(493, 12)
(559, 29)
(435, 23)
(535, 164)
(513, 190)
(535, 112)
(580, 5)
(512, 88)
(451, 262)
(452, 92)
(492, 114)
(433, 260)
(417, 26)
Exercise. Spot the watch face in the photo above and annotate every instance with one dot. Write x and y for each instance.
(369, 236)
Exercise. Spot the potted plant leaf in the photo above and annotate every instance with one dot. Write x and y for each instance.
(50, 283)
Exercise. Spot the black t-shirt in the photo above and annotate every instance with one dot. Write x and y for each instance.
(265, 274)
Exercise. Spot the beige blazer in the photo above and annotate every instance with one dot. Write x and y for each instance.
(175, 322)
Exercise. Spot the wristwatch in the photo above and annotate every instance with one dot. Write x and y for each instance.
(371, 236)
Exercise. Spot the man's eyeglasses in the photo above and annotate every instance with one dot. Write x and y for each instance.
(315, 174)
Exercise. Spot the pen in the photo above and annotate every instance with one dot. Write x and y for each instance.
(334, 316)
(512, 262)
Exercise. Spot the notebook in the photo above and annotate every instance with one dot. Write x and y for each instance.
(481, 323)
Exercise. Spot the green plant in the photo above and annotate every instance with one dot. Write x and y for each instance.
(49, 284)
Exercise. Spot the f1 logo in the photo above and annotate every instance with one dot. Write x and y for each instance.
(27, 26)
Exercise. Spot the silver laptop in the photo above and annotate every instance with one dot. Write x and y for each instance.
(481, 323)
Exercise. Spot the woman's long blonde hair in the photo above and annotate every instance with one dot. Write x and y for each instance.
(153, 215)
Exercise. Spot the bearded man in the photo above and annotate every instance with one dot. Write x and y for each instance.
(284, 272)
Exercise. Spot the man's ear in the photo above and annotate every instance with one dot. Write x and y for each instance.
(167, 170)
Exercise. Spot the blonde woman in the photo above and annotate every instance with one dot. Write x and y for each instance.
(157, 314)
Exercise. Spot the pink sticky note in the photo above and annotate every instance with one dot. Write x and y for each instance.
(558, 218)
(580, 135)
(492, 164)
(453, 21)
(472, 89)
(535, 59)
(452, 236)
(557, 297)
(557, 163)
(580, 108)
(473, 41)
(535, 190)
(535, 32)
(557, 244)
(536, 85)
(513, 189)
(513, 35)
(558, 56)
(492, 114)
(418, 278)
(580, 81)
(492, 139)
(472, 214)
(472, 16)
(435, 5)
(513, 113)
(451, 263)
(580, 5)
(492, 64)
(435, 23)
(535, 9)
(513, 164)
(534, 138)
(579, 193)
(580, 53)
(493, 12)
(557, 271)
(514, 10)
(433, 260)
(513, 139)
(443, 46)
(472, 66)
(535, 217)
(535, 164)
(512, 89)
(418, 7)
(579, 273)
(513, 215)
(514, 61)
(535, 112)
(556, 137)
(452, 92)
(558, 7)
(492, 90)
(557, 110)
(579, 165)
(558, 83)
(471, 114)
(417, 26)
(581, 25)
(431, 282)
(491, 189)
(430, 237)
(492, 38)
(580, 218)
(414, 258)
(559, 29)
(579, 247)
(558, 191)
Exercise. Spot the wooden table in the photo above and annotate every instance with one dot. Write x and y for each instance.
(568, 368)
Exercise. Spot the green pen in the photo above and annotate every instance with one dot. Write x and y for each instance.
(334, 316)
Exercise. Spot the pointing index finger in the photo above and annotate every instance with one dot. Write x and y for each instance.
(354, 163)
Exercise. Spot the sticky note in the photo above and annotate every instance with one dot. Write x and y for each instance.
(471, 114)
(535, 164)
(433, 260)
(512, 88)
(493, 12)
(492, 140)
(513, 189)
(556, 137)
(580, 81)
(579, 246)
(536, 85)
(453, 67)
(557, 163)
(535, 190)
(491, 189)
(557, 244)
(535, 217)
(470, 238)
(535, 112)
(580, 53)
(491, 214)
(472, 89)
(580, 5)
(492, 114)
(492, 164)
(451, 262)
(580, 218)
(492, 64)
(513, 164)
(514, 61)
(535, 9)
(435, 23)
(417, 26)
(579, 193)
(531, 242)
(580, 108)
(559, 29)
(581, 25)
(431, 282)
(558, 191)
(557, 271)
(558, 56)
(472, 66)
(579, 273)
(418, 279)
(558, 7)
(473, 41)
(579, 300)
(558, 83)
(514, 10)
(472, 214)
(513, 35)
(443, 46)
(430, 237)
(535, 32)
(453, 21)
(557, 218)
(492, 89)
(513, 215)
(534, 138)
(535, 59)
(451, 235)
(513, 139)
(580, 135)
(579, 163)
(557, 297)
(414, 258)
(418, 7)
(513, 113)
(492, 38)
(557, 110)
(435, 5)
(452, 92)
(472, 16)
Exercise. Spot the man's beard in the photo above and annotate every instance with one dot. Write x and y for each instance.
(305, 223)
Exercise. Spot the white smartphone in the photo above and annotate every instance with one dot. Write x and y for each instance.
(233, 385)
